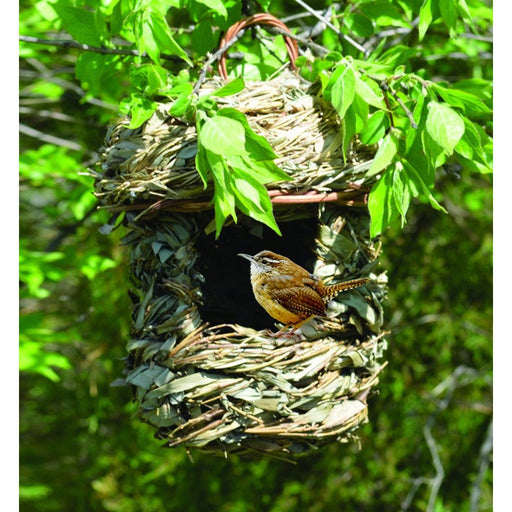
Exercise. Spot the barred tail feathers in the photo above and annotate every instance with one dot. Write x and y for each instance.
(332, 290)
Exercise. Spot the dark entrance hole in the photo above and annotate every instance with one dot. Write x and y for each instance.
(227, 291)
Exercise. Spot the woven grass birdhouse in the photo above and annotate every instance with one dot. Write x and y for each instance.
(205, 372)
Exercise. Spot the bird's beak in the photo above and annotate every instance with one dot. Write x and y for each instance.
(247, 257)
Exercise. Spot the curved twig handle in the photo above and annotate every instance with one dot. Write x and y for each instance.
(257, 19)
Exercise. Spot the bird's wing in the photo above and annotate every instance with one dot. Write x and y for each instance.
(302, 300)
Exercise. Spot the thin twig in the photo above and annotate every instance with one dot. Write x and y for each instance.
(348, 39)
(319, 27)
(483, 464)
(459, 56)
(49, 114)
(95, 49)
(215, 57)
(400, 32)
(462, 375)
(437, 480)
(306, 42)
(65, 84)
(50, 139)
(385, 88)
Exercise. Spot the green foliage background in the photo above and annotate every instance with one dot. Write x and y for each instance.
(427, 445)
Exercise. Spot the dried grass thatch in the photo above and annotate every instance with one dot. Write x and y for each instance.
(226, 387)
(154, 166)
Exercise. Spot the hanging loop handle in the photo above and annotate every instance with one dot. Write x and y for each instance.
(257, 19)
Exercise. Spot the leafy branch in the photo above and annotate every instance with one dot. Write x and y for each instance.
(240, 163)
(417, 126)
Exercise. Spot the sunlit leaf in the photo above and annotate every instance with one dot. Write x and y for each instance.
(343, 89)
(444, 125)
(385, 154)
(223, 135)
(80, 23)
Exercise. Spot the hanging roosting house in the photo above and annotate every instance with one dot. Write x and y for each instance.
(202, 374)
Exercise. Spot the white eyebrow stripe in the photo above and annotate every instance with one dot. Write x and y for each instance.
(266, 259)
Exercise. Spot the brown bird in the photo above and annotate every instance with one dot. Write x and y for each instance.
(288, 292)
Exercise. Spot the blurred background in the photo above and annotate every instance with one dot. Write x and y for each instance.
(428, 442)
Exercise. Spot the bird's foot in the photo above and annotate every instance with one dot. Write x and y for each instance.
(293, 333)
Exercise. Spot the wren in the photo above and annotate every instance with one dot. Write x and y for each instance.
(288, 292)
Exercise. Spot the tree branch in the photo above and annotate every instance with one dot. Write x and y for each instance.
(437, 480)
(50, 114)
(50, 139)
(483, 464)
(95, 49)
(386, 89)
(65, 84)
(306, 42)
(340, 34)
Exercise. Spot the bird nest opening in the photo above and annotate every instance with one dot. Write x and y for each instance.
(204, 371)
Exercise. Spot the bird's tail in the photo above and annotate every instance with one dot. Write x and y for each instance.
(332, 290)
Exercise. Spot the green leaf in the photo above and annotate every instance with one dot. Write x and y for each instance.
(381, 205)
(79, 23)
(473, 148)
(449, 15)
(342, 90)
(466, 101)
(264, 171)
(241, 163)
(233, 87)
(375, 128)
(202, 165)
(398, 55)
(365, 91)
(470, 144)
(359, 25)
(444, 125)
(362, 112)
(223, 136)
(148, 78)
(139, 107)
(48, 162)
(146, 41)
(81, 204)
(204, 38)
(384, 13)
(215, 5)
(97, 73)
(34, 492)
(421, 185)
(116, 18)
(384, 155)
(434, 152)
(257, 147)
(401, 191)
(463, 9)
(33, 354)
(181, 106)
(163, 38)
(37, 268)
(253, 199)
(419, 115)
(425, 18)
(223, 198)
(348, 127)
